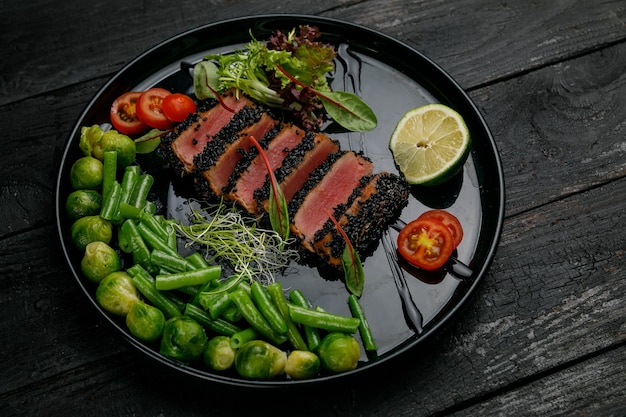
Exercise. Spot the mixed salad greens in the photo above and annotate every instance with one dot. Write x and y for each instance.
(288, 71)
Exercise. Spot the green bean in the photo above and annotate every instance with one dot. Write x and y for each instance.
(149, 207)
(196, 260)
(268, 309)
(145, 284)
(312, 334)
(217, 301)
(155, 225)
(243, 285)
(172, 240)
(109, 175)
(180, 304)
(232, 314)
(140, 192)
(168, 261)
(252, 315)
(111, 202)
(275, 291)
(188, 278)
(239, 338)
(129, 179)
(189, 290)
(323, 320)
(125, 236)
(133, 243)
(199, 290)
(154, 241)
(127, 211)
(128, 183)
(364, 328)
(218, 326)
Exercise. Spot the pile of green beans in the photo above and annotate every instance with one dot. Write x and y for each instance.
(189, 286)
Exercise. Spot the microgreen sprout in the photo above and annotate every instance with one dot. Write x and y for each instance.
(226, 235)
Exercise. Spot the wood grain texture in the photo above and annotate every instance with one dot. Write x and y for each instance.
(26, 194)
(482, 42)
(594, 378)
(544, 335)
(75, 42)
(502, 38)
(561, 127)
(36, 306)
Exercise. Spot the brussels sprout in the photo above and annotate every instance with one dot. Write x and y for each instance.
(87, 173)
(339, 352)
(91, 229)
(95, 142)
(219, 354)
(89, 138)
(183, 339)
(302, 364)
(258, 359)
(99, 260)
(116, 293)
(112, 140)
(81, 203)
(145, 322)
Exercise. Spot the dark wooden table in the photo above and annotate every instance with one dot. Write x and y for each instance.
(545, 334)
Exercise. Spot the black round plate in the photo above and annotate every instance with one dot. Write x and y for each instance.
(392, 78)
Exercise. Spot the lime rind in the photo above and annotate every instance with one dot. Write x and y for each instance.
(430, 144)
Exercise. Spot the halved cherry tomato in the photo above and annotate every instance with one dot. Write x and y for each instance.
(449, 220)
(178, 106)
(123, 114)
(426, 243)
(150, 110)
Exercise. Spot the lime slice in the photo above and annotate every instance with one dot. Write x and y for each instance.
(430, 144)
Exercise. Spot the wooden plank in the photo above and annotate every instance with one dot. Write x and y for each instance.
(52, 326)
(502, 40)
(45, 54)
(561, 127)
(121, 386)
(597, 387)
(39, 130)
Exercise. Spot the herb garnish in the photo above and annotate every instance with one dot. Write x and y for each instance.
(351, 262)
(345, 108)
(279, 216)
(226, 235)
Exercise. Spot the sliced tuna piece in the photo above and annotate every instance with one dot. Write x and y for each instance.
(377, 205)
(230, 150)
(298, 166)
(338, 183)
(255, 173)
(190, 137)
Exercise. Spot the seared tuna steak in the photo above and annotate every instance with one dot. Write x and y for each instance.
(317, 178)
